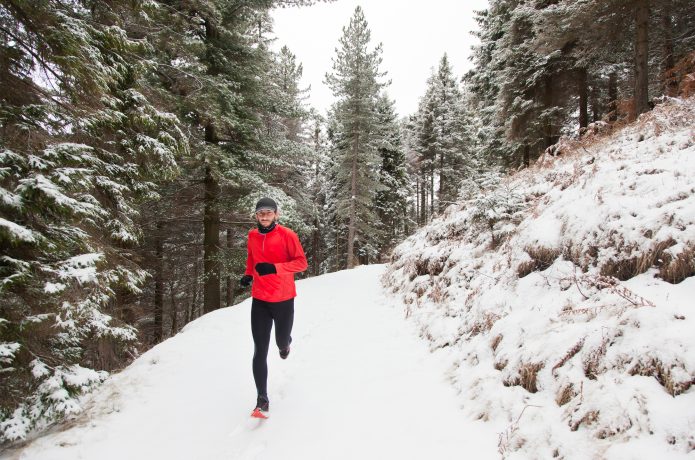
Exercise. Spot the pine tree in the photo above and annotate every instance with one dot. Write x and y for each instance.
(539, 61)
(81, 146)
(484, 80)
(317, 251)
(238, 98)
(88, 149)
(355, 82)
(391, 201)
(441, 137)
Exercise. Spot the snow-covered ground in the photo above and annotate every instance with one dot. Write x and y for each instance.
(558, 310)
(564, 296)
(358, 384)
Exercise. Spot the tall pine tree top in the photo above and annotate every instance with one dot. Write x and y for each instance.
(356, 84)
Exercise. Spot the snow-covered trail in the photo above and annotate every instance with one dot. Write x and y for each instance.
(358, 384)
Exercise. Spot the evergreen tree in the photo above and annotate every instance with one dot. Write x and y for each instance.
(355, 82)
(441, 138)
(426, 147)
(88, 149)
(243, 107)
(317, 251)
(539, 61)
(391, 200)
(81, 143)
(484, 82)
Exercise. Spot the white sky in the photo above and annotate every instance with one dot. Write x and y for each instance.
(415, 34)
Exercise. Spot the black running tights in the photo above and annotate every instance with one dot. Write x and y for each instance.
(262, 316)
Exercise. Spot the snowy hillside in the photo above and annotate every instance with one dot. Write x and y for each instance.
(564, 297)
(359, 384)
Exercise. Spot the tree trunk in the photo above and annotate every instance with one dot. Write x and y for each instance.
(442, 183)
(548, 100)
(352, 225)
(190, 315)
(158, 332)
(417, 199)
(211, 236)
(423, 199)
(583, 86)
(174, 311)
(432, 188)
(316, 235)
(316, 246)
(230, 282)
(527, 155)
(613, 97)
(642, 57)
(670, 81)
(595, 104)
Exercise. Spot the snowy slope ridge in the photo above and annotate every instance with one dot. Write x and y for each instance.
(565, 295)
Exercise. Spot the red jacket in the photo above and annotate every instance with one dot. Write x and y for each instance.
(281, 247)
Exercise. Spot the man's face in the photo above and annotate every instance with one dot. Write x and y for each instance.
(266, 217)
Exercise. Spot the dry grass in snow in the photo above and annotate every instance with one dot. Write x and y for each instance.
(570, 314)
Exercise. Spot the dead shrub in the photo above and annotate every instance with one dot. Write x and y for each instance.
(620, 269)
(500, 365)
(605, 282)
(565, 395)
(526, 268)
(569, 355)
(483, 325)
(541, 258)
(628, 268)
(675, 270)
(655, 368)
(436, 266)
(410, 269)
(420, 290)
(587, 419)
(625, 110)
(421, 267)
(681, 76)
(495, 342)
(526, 378)
(687, 86)
(597, 128)
(438, 293)
(432, 267)
(592, 360)
(607, 432)
(528, 374)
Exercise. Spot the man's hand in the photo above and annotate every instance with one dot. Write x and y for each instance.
(245, 281)
(264, 268)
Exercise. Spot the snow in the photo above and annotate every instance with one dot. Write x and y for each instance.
(8, 350)
(81, 268)
(54, 288)
(357, 384)
(564, 326)
(55, 194)
(17, 231)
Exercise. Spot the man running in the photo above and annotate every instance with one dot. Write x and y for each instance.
(274, 256)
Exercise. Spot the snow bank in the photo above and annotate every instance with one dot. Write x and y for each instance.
(571, 317)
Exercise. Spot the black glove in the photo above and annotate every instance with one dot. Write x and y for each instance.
(245, 281)
(264, 268)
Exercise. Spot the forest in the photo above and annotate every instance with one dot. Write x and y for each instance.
(136, 136)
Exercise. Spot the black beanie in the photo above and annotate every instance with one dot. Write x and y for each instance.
(266, 204)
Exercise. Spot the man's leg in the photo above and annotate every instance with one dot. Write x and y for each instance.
(261, 324)
(283, 314)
